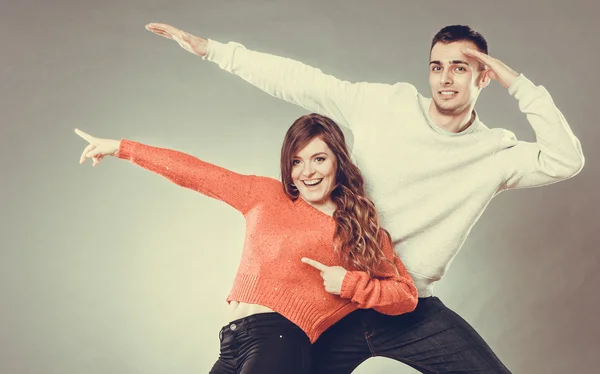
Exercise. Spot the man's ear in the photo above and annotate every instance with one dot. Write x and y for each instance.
(484, 79)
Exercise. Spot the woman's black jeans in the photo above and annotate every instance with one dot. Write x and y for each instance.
(431, 339)
(265, 343)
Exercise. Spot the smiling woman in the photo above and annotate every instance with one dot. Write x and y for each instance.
(318, 215)
(316, 166)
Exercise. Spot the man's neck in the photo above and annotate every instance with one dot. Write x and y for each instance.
(452, 122)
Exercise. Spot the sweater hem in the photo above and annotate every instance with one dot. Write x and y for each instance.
(423, 284)
(311, 312)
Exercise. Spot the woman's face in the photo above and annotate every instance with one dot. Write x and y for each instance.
(313, 172)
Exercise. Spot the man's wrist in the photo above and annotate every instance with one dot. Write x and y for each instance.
(512, 79)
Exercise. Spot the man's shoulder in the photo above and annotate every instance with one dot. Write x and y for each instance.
(500, 132)
(503, 138)
(383, 94)
(405, 88)
(390, 88)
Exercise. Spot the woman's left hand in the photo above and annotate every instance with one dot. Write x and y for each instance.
(333, 276)
(98, 148)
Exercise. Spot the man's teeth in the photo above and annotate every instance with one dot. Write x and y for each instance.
(312, 182)
(447, 92)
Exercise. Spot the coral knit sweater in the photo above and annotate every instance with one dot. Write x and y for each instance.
(279, 232)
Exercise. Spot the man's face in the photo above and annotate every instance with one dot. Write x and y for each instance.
(455, 79)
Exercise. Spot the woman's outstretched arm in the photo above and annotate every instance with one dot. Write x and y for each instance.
(180, 168)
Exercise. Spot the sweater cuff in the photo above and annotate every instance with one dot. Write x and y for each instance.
(348, 284)
(525, 91)
(221, 54)
(126, 149)
(520, 87)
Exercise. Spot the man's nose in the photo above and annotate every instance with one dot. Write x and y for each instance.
(446, 78)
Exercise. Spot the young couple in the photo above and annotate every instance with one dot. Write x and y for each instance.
(431, 167)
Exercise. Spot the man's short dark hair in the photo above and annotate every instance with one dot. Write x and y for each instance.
(458, 33)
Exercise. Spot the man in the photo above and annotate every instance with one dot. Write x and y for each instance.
(431, 166)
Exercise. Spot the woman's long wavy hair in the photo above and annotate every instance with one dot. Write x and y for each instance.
(357, 235)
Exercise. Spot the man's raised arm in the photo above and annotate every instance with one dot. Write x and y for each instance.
(283, 78)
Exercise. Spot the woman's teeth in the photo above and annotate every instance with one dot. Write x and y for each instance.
(312, 182)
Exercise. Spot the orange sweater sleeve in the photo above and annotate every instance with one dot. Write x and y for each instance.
(190, 172)
(391, 293)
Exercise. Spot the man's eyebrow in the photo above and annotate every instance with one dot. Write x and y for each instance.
(452, 62)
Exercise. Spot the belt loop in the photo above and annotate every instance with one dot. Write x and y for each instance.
(248, 323)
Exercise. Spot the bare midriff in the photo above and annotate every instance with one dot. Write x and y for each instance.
(239, 310)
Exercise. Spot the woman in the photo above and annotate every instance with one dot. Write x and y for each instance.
(317, 216)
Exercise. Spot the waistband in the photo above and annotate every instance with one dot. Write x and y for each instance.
(256, 321)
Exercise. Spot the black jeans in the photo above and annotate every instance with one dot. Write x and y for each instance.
(431, 339)
(263, 343)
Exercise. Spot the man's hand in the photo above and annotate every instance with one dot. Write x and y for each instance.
(191, 43)
(495, 69)
(333, 276)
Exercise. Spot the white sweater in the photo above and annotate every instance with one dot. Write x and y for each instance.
(430, 186)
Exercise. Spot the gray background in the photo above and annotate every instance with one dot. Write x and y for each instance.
(115, 270)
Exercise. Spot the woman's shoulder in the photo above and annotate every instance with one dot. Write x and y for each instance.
(268, 188)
